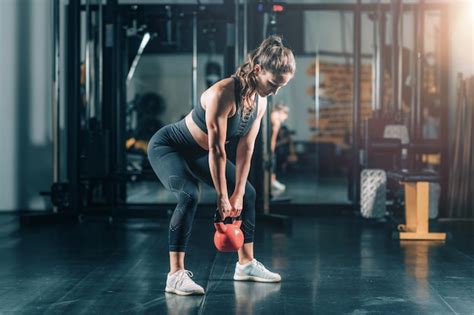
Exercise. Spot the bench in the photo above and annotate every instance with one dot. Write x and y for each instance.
(416, 184)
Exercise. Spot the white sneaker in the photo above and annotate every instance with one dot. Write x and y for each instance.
(278, 187)
(181, 283)
(282, 186)
(255, 271)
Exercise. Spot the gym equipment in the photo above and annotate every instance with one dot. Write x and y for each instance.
(228, 236)
(373, 184)
(461, 182)
(416, 205)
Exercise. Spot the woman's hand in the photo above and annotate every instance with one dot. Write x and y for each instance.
(224, 207)
(236, 202)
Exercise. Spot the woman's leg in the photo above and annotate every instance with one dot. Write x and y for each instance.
(176, 261)
(246, 253)
(174, 173)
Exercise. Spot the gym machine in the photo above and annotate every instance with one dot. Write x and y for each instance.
(99, 64)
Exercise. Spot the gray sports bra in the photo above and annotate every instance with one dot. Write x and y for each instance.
(238, 125)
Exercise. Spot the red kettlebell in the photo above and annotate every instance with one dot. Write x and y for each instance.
(228, 237)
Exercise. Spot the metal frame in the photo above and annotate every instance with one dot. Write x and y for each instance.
(382, 9)
(194, 63)
(380, 61)
(356, 109)
(444, 132)
(357, 9)
(55, 104)
(113, 81)
(73, 99)
(395, 10)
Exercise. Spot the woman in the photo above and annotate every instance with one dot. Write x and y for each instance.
(277, 117)
(193, 150)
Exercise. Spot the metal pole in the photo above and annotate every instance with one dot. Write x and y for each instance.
(380, 57)
(73, 100)
(236, 39)
(194, 69)
(265, 25)
(87, 65)
(356, 108)
(317, 108)
(394, 66)
(245, 30)
(400, 57)
(444, 131)
(100, 78)
(55, 96)
(266, 127)
(375, 89)
(414, 75)
(420, 67)
(316, 90)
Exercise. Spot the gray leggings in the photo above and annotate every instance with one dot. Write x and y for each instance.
(180, 163)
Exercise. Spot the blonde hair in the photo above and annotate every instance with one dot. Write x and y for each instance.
(272, 56)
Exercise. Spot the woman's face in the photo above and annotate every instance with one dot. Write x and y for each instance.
(269, 83)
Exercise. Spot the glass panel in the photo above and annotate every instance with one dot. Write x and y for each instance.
(393, 112)
(91, 70)
(153, 99)
(408, 64)
(314, 145)
(389, 108)
(431, 87)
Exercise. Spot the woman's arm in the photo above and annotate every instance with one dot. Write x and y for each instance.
(218, 108)
(245, 149)
(276, 124)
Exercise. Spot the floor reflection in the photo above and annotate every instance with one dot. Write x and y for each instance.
(252, 297)
(179, 305)
(417, 263)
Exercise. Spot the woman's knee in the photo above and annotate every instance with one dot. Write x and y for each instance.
(190, 197)
(186, 191)
(187, 195)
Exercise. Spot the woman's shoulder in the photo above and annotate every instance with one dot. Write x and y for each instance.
(225, 85)
(222, 90)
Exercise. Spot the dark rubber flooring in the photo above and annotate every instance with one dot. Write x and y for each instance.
(329, 265)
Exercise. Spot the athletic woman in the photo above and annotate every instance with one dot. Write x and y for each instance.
(193, 150)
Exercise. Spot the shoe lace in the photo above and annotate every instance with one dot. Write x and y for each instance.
(260, 265)
(184, 275)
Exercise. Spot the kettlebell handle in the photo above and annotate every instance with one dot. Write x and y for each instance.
(218, 218)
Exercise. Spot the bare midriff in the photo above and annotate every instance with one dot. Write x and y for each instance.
(199, 136)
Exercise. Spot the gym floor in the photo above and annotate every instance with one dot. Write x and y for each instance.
(329, 265)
